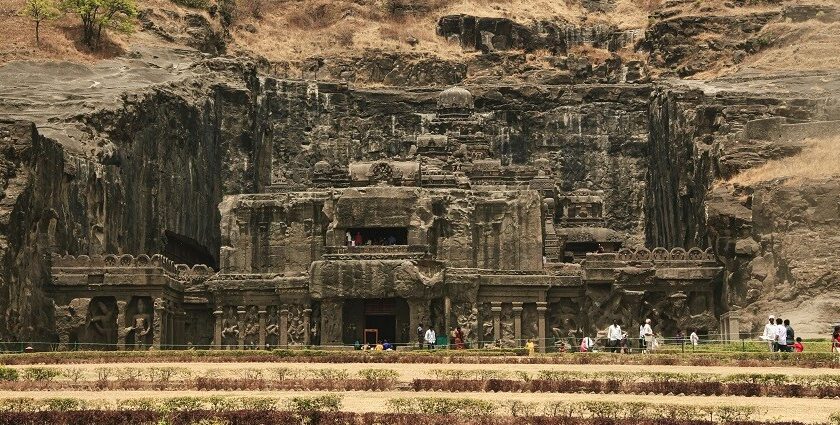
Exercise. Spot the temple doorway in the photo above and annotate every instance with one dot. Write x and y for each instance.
(376, 319)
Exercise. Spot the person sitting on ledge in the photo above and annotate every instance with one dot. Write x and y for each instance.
(387, 346)
(797, 346)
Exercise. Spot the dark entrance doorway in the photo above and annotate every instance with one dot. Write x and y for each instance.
(376, 318)
(380, 315)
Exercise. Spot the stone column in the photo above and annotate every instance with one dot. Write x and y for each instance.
(262, 314)
(240, 325)
(517, 323)
(170, 325)
(447, 322)
(284, 327)
(158, 323)
(542, 310)
(217, 332)
(496, 308)
(307, 335)
(121, 325)
(332, 322)
(180, 328)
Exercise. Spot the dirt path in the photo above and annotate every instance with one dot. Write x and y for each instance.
(414, 371)
(776, 409)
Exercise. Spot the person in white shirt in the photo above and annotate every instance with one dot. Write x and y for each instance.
(642, 337)
(613, 337)
(431, 338)
(781, 335)
(769, 334)
(647, 331)
(586, 344)
(694, 338)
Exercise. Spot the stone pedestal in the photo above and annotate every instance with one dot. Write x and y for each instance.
(262, 314)
(240, 325)
(217, 331)
(496, 308)
(542, 310)
(307, 334)
(730, 326)
(517, 323)
(284, 327)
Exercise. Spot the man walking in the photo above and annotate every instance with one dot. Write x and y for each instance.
(648, 334)
(613, 337)
(781, 336)
(431, 338)
(769, 334)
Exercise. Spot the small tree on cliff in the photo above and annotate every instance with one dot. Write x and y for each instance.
(96, 15)
(38, 11)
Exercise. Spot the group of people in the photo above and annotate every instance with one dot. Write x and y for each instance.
(617, 341)
(379, 346)
(359, 240)
(781, 337)
(428, 337)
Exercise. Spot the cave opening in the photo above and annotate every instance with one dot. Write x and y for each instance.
(185, 250)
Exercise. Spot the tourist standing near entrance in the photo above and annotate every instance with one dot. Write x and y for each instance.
(431, 338)
(769, 334)
(420, 336)
(648, 334)
(614, 336)
(781, 335)
(791, 337)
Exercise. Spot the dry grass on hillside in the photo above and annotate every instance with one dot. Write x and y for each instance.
(820, 158)
(804, 46)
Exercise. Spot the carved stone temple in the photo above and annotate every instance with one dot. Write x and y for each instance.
(450, 231)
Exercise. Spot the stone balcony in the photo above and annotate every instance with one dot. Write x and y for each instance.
(376, 252)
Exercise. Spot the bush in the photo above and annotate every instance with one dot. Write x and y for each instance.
(441, 406)
(834, 419)
(320, 403)
(40, 374)
(330, 374)
(62, 404)
(8, 374)
(379, 374)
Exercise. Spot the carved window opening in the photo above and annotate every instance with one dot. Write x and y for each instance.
(185, 250)
(377, 236)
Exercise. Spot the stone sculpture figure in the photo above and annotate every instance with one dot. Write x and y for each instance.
(141, 325)
(272, 327)
(252, 328)
(230, 328)
(100, 326)
(296, 329)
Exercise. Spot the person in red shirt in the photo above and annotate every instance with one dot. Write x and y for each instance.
(797, 346)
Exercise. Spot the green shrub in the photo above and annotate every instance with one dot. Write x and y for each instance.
(62, 404)
(40, 374)
(73, 374)
(8, 374)
(257, 403)
(182, 404)
(379, 374)
(138, 404)
(18, 404)
(330, 374)
(319, 403)
(834, 419)
(441, 406)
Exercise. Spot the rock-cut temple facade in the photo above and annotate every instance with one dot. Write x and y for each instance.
(451, 235)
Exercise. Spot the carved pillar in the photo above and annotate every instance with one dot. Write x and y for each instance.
(217, 332)
(262, 314)
(332, 322)
(170, 325)
(158, 323)
(307, 314)
(447, 311)
(122, 326)
(517, 323)
(542, 310)
(240, 325)
(181, 328)
(284, 327)
(496, 308)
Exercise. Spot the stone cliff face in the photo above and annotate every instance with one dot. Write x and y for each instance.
(166, 158)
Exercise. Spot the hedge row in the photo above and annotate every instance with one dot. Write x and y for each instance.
(613, 386)
(517, 356)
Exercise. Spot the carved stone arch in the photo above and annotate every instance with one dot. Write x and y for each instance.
(660, 254)
(642, 254)
(625, 254)
(126, 260)
(381, 172)
(678, 254)
(110, 260)
(83, 259)
(182, 268)
(143, 260)
(696, 254)
(200, 269)
(710, 254)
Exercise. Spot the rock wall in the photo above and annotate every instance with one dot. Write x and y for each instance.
(165, 159)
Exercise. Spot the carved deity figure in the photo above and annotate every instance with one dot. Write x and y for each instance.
(230, 328)
(252, 327)
(272, 327)
(141, 325)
